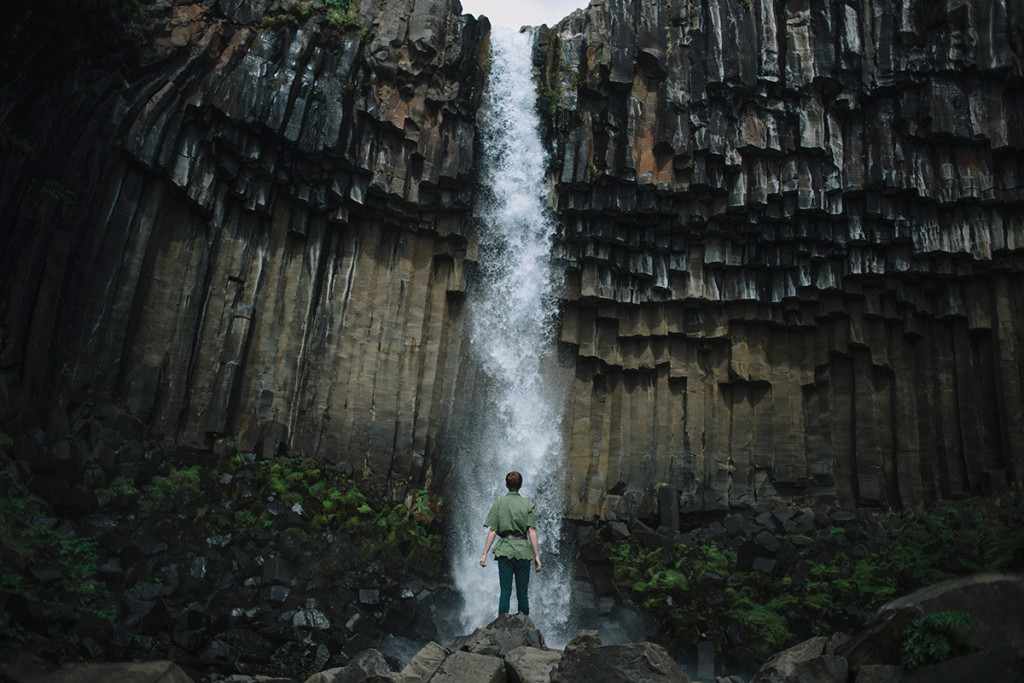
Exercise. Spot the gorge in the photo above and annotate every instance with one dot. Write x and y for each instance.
(258, 225)
(785, 241)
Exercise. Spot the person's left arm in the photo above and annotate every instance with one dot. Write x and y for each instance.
(532, 533)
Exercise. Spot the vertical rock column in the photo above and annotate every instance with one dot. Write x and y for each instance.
(794, 235)
(265, 234)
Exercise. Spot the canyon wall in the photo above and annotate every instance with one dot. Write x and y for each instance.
(793, 236)
(247, 219)
(793, 232)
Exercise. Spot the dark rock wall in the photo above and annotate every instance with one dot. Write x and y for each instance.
(793, 232)
(245, 222)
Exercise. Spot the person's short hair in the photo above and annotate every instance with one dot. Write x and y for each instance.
(513, 481)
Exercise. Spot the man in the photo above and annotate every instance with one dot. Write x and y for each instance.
(513, 519)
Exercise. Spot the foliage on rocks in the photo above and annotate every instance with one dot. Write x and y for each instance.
(934, 638)
(107, 552)
(832, 578)
(235, 494)
(42, 568)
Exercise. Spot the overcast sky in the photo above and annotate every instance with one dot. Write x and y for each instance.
(516, 13)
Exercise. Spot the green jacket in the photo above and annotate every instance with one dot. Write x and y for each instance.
(511, 516)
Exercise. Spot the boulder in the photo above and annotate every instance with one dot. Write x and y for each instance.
(24, 667)
(619, 664)
(531, 665)
(464, 666)
(424, 663)
(327, 676)
(584, 640)
(500, 637)
(129, 672)
(994, 601)
(879, 673)
(811, 661)
(369, 666)
(990, 666)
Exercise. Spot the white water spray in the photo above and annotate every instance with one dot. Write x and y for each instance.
(518, 400)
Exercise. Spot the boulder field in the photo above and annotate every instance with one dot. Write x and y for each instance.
(510, 649)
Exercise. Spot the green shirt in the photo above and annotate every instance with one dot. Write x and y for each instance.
(511, 516)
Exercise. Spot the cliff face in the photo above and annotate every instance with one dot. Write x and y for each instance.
(252, 226)
(793, 232)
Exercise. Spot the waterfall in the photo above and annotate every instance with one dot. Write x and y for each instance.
(517, 400)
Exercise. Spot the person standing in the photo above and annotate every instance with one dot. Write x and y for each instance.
(513, 520)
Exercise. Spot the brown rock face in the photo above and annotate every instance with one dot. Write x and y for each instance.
(252, 226)
(793, 233)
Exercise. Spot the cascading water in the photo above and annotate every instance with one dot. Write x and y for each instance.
(517, 398)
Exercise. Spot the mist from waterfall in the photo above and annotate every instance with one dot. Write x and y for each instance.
(518, 394)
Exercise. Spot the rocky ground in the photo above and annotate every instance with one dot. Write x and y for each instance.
(741, 586)
(235, 563)
(225, 562)
(986, 642)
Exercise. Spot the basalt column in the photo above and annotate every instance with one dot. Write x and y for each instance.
(795, 241)
(242, 219)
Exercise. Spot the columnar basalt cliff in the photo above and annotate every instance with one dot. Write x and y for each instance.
(252, 226)
(793, 230)
(794, 235)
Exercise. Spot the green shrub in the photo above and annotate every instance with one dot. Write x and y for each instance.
(121, 487)
(76, 558)
(334, 501)
(934, 638)
(177, 483)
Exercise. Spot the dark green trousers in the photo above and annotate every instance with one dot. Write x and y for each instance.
(509, 569)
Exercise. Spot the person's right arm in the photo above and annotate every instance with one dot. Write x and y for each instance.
(532, 533)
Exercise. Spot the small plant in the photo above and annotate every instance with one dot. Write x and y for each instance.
(934, 638)
(550, 97)
(342, 15)
(121, 487)
(177, 483)
(142, 642)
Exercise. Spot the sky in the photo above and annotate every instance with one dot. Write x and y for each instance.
(516, 13)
